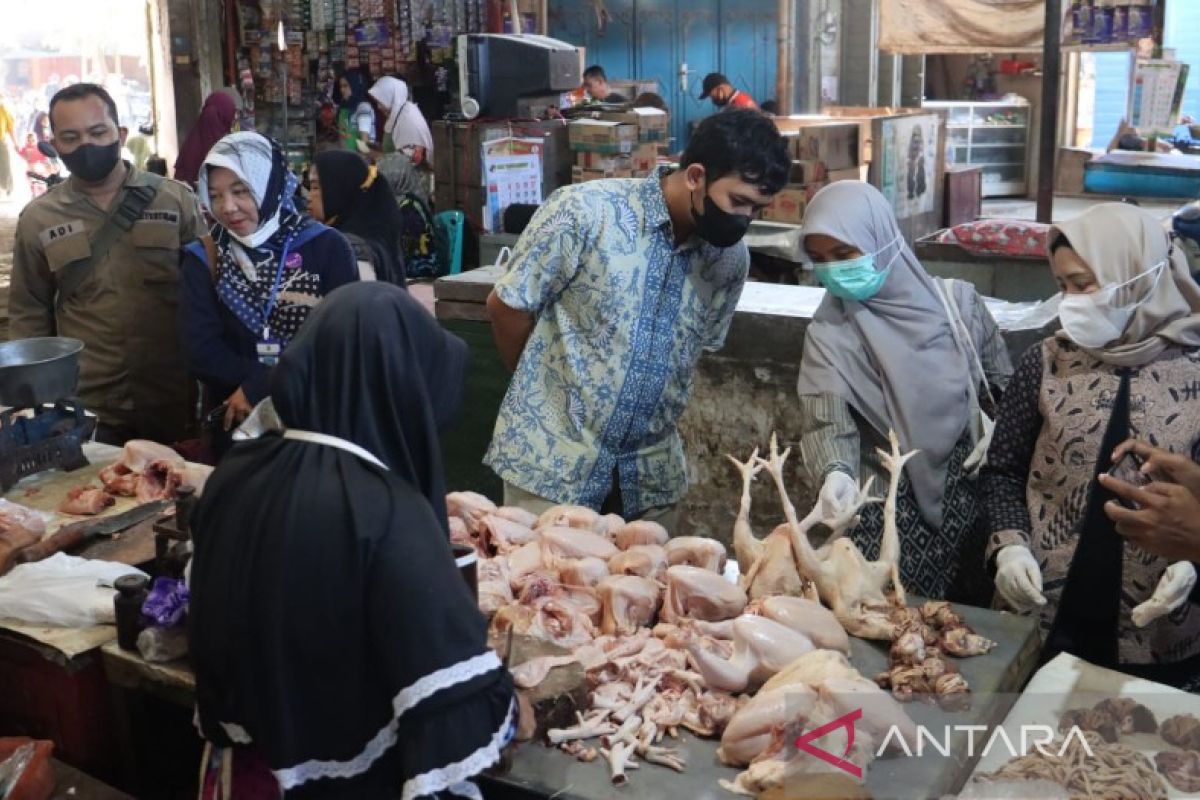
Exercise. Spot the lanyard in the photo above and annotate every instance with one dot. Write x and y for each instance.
(266, 320)
(312, 437)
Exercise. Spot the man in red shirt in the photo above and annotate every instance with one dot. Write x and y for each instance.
(724, 96)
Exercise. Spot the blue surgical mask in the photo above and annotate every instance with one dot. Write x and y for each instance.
(855, 278)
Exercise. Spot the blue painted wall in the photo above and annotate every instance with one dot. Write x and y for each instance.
(650, 39)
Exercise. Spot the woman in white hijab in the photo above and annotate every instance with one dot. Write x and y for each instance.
(1125, 364)
(406, 127)
(882, 354)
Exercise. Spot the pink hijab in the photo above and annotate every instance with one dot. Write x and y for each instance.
(216, 120)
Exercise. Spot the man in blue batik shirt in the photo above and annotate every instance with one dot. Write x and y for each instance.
(612, 293)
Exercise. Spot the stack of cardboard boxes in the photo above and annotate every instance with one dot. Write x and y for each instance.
(617, 144)
(822, 152)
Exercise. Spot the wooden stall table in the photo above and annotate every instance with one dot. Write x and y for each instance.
(62, 694)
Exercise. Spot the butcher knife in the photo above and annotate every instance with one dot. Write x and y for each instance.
(78, 534)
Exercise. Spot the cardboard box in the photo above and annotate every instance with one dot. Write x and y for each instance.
(603, 136)
(1069, 169)
(603, 161)
(787, 206)
(645, 158)
(459, 150)
(583, 174)
(807, 172)
(858, 173)
(836, 144)
(652, 124)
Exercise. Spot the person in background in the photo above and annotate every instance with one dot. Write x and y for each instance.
(595, 81)
(1130, 337)
(718, 88)
(157, 164)
(405, 130)
(243, 300)
(37, 163)
(650, 100)
(41, 126)
(216, 119)
(355, 117)
(1162, 517)
(8, 133)
(613, 292)
(325, 552)
(883, 320)
(350, 195)
(97, 260)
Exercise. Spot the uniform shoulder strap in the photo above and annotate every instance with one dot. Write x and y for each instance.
(132, 204)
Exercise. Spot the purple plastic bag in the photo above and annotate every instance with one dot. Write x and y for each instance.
(167, 604)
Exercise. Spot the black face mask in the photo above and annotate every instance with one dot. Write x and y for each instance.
(717, 226)
(92, 163)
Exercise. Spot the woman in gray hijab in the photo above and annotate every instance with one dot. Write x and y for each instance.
(892, 348)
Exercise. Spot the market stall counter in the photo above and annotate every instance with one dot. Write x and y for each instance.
(536, 770)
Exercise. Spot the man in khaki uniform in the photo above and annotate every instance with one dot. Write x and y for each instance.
(97, 259)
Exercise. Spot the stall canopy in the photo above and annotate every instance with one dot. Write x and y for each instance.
(913, 27)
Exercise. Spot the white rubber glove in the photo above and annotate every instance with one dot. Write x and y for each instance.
(1174, 588)
(838, 495)
(1019, 578)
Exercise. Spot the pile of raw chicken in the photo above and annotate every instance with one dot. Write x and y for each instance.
(146, 470)
(668, 643)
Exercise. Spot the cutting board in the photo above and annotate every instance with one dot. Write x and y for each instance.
(46, 491)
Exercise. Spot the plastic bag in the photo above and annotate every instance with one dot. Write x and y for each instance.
(28, 518)
(62, 590)
(167, 604)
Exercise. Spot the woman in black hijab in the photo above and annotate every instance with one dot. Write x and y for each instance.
(347, 193)
(332, 634)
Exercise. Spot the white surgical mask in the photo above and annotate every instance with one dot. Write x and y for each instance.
(1095, 320)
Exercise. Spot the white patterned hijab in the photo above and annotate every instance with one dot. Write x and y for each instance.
(260, 165)
(1119, 241)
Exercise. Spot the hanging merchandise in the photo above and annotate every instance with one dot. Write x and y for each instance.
(1102, 22)
(1141, 19)
(1120, 29)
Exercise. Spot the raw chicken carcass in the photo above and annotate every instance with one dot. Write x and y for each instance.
(86, 501)
(569, 517)
(768, 566)
(629, 603)
(582, 571)
(119, 481)
(159, 481)
(861, 593)
(807, 617)
(761, 648)
(576, 543)
(493, 585)
(524, 561)
(609, 525)
(641, 532)
(139, 454)
(470, 507)
(753, 727)
(643, 560)
(695, 593)
(517, 515)
(696, 551)
(501, 535)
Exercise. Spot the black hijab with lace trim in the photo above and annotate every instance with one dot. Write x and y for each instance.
(330, 626)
